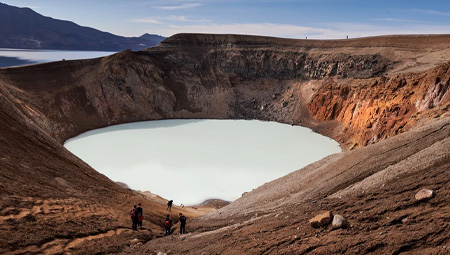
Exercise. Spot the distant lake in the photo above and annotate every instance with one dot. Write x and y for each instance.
(18, 57)
(190, 161)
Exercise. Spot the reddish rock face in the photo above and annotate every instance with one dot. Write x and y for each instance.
(377, 108)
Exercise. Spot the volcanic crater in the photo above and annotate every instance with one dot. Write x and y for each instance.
(384, 99)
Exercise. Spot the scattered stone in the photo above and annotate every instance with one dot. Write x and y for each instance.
(321, 220)
(162, 253)
(339, 222)
(424, 194)
(134, 241)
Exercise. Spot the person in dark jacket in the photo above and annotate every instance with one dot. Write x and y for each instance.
(168, 223)
(135, 219)
(141, 214)
(169, 205)
(132, 212)
(182, 224)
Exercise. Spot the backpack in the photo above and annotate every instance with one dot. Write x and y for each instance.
(167, 223)
(183, 219)
(132, 213)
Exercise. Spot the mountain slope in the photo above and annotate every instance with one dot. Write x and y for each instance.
(389, 112)
(372, 187)
(24, 28)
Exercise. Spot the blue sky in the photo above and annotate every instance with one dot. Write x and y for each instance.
(321, 19)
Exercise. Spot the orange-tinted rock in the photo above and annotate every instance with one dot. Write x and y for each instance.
(378, 108)
(321, 220)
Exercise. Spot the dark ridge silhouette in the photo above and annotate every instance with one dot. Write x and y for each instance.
(23, 28)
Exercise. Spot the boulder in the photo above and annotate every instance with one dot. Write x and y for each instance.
(424, 194)
(339, 222)
(321, 220)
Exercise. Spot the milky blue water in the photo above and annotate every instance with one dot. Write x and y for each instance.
(18, 57)
(190, 161)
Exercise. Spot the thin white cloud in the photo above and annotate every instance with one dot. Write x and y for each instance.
(146, 20)
(322, 31)
(432, 12)
(33, 7)
(339, 30)
(185, 19)
(178, 7)
(280, 30)
(396, 20)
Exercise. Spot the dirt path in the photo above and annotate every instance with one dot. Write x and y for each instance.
(61, 245)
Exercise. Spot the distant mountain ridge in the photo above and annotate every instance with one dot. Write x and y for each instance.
(23, 28)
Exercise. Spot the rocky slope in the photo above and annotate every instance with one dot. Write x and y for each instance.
(51, 201)
(373, 187)
(360, 92)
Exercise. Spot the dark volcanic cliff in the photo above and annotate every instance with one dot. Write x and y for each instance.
(362, 92)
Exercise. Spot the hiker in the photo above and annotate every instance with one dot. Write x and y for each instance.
(182, 224)
(141, 215)
(132, 215)
(135, 218)
(168, 224)
(169, 205)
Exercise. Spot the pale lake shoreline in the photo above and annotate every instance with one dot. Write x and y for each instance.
(19, 57)
(202, 161)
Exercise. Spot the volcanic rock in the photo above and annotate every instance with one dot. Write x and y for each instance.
(424, 194)
(339, 222)
(321, 220)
